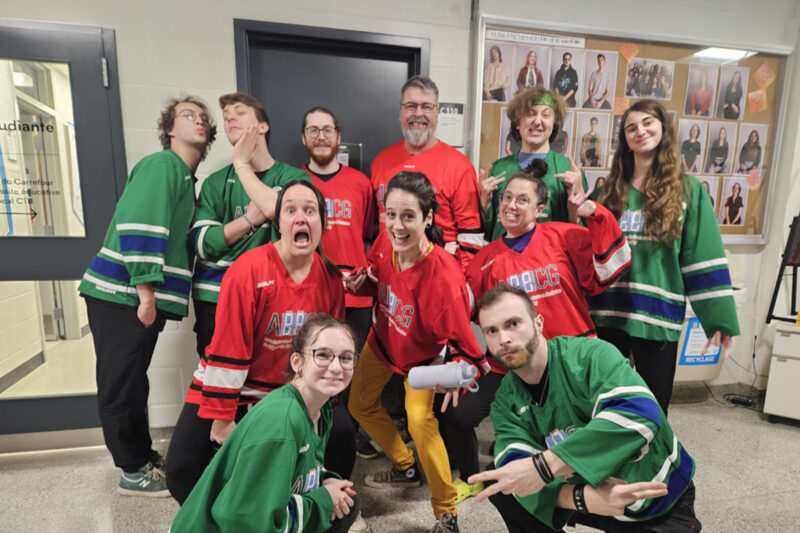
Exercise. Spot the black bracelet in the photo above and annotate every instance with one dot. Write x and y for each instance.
(543, 468)
(579, 499)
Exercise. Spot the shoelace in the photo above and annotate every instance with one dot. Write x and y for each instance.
(156, 474)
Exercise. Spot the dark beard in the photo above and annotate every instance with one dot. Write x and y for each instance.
(322, 160)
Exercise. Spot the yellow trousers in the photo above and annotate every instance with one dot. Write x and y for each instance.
(369, 379)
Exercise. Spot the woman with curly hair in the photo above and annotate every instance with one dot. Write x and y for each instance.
(676, 247)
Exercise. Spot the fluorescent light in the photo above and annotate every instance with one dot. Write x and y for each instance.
(722, 55)
(23, 79)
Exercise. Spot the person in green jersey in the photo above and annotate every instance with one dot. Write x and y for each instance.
(677, 252)
(269, 474)
(140, 278)
(577, 430)
(536, 116)
(228, 220)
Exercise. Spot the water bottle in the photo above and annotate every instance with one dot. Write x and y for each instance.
(461, 374)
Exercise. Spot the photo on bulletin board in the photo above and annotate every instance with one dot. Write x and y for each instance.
(601, 79)
(692, 140)
(701, 88)
(508, 144)
(721, 147)
(566, 73)
(732, 90)
(591, 138)
(649, 78)
(733, 201)
(565, 136)
(497, 77)
(752, 140)
(615, 131)
(595, 179)
(532, 66)
(711, 185)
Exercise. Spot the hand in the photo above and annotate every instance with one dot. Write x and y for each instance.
(719, 338)
(612, 496)
(578, 201)
(341, 494)
(221, 430)
(254, 214)
(487, 95)
(572, 176)
(146, 312)
(355, 279)
(486, 187)
(517, 477)
(245, 147)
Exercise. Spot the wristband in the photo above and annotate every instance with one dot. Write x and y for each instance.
(253, 229)
(543, 468)
(579, 499)
(236, 169)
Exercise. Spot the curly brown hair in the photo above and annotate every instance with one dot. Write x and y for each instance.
(664, 187)
(524, 100)
(167, 120)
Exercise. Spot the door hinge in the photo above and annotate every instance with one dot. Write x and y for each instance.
(104, 64)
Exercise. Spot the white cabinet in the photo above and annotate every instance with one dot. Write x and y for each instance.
(783, 385)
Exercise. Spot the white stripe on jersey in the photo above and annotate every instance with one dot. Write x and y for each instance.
(206, 287)
(659, 477)
(298, 502)
(711, 294)
(606, 271)
(201, 236)
(620, 391)
(255, 393)
(642, 318)
(627, 423)
(516, 446)
(213, 264)
(143, 227)
(704, 264)
(475, 239)
(170, 297)
(111, 253)
(649, 288)
(159, 260)
(113, 286)
(225, 378)
(180, 271)
(206, 223)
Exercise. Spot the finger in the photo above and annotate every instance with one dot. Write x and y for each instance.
(488, 491)
(497, 181)
(647, 493)
(349, 501)
(487, 475)
(349, 491)
(615, 481)
(483, 174)
(446, 402)
(573, 166)
(727, 345)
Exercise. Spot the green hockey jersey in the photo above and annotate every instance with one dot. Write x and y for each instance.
(222, 200)
(649, 300)
(146, 241)
(267, 477)
(556, 208)
(598, 417)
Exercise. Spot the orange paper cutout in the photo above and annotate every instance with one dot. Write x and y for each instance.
(621, 104)
(764, 75)
(754, 178)
(757, 101)
(629, 51)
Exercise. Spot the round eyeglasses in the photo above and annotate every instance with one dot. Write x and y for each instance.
(323, 357)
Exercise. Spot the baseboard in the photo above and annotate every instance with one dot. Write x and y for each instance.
(21, 371)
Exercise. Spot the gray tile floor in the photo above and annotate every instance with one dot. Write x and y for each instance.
(748, 479)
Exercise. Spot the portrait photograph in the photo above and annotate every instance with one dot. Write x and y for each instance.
(733, 201)
(601, 79)
(498, 79)
(720, 148)
(531, 66)
(692, 140)
(615, 131)
(566, 74)
(595, 179)
(564, 138)
(711, 185)
(591, 138)
(649, 78)
(701, 90)
(732, 92)
(751, 142)
(508, 145)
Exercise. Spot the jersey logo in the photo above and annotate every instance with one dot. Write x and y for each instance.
(557, 435)
(262, 284)
(304, 449)
(309, 482)
(632, 221)
(288, 323)
(238, 212)
(541, 278)
(393, 306)
(338, 208)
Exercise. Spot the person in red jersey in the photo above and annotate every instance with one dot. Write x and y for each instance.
(422, 308)
(449, 171)
(266, 296)
(557, 264)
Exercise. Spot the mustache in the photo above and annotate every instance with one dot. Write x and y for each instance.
(417, 121)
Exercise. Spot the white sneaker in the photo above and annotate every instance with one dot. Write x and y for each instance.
(360, 525)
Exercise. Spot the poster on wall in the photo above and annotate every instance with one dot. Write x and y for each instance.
(595, 179)
(700, 90)
(497, 79)
(711, 185)
(533, 63)
(692, 140)
(733, 201)
(591, 138)
(601, 79)
(566, 73)
(649, 78)
(565, 135)
(752, 138)
(732, 89)
(721, 147)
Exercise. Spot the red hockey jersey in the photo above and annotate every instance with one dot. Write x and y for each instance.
(456, 184)
(561, 264)
(260, 310)
(350, 209)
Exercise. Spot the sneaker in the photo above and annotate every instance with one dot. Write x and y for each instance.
(467, 490)
(360, 525)
(447, 524)
(364, 447)
(147, 481)
(409, 477)
(157, 460)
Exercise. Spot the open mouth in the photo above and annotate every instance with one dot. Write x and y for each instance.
(417, 123)
(302, 237)
(401, 239)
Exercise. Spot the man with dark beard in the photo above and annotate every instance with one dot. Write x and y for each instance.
(449, 171)
(577, 430)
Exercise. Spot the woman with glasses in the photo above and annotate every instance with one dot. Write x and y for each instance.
(557, 264)
(266, 296)
(270, 474)
(422, 308)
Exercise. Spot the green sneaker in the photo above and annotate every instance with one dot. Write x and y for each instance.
(148, 481)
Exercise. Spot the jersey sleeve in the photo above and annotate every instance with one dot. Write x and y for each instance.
(599, 253)
(625, 416)
(704, 267)
(453, 325)
(208, 230)
(466, 213)
(231, 349)
(143, 217)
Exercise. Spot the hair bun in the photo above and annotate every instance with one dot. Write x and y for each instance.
(537, 168)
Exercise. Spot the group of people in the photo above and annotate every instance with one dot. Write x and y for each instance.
(304, 315)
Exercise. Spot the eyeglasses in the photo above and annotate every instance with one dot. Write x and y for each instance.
(521, 201)
(323, 357)
(191, 116)
(313, 131)
(410, 107)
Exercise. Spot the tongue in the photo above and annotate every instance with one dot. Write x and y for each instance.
(301, 238)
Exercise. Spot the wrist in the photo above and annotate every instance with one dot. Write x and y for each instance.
(579, 498)
(238, 165)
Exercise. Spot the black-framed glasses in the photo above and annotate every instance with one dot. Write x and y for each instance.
(327, 131)
(191, 115)
(323, 357)
(410, 107)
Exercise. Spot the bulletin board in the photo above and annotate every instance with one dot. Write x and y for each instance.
(726, 111)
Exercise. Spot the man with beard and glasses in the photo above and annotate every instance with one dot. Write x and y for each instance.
(577, 430)
(449, 171)
(228, 220)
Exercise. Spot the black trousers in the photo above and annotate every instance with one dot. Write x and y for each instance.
(653, 360)
(679, 519)
(190, 449)
(204, 313)
(124, 348)
(458, 424)
(360, 319)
